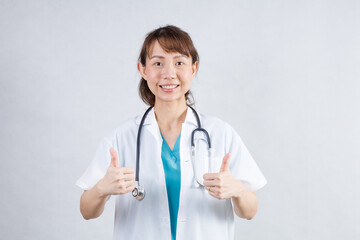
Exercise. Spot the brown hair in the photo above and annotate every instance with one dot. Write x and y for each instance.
(171, 39)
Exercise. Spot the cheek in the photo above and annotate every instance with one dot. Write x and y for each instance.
(151, 78)
(188, 77)
(153, 75)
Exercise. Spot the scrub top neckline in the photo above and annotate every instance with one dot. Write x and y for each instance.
(176, 146)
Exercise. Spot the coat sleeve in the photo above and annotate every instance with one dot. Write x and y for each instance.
(242, 164)
(97, 167)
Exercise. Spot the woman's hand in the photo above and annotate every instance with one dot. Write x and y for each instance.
(223, 185)
(117, 180)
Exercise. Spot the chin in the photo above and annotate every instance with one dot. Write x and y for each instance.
(169, 99)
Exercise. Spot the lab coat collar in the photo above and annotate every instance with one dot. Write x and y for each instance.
(150, 118)
(190, 117)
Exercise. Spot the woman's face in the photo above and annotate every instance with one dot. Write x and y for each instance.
(168, 75)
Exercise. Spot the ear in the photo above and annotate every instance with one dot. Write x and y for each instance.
(141, 69)
(195, 67)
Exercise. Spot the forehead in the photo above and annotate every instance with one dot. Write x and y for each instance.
(156, 49)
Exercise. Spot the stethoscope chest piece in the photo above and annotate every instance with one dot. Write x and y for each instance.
(138, 192)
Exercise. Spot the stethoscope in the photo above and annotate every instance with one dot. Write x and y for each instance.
(139, 191)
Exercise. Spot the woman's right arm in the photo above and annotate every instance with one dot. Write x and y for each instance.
(117, 180)
(92, 203)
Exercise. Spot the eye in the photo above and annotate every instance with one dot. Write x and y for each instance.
(157, 63)
(179, 63)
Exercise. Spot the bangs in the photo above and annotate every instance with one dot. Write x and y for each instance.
(171, 39)
(171, 44)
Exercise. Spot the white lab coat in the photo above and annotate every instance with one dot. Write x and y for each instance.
(200, 215)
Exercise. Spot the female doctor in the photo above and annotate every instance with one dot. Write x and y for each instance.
(177, 203)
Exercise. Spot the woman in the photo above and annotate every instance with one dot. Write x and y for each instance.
(176, 206)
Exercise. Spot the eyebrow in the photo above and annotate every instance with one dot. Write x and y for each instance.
(159, 56)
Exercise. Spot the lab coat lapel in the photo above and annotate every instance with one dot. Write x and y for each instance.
(187, 176)
(151, 125)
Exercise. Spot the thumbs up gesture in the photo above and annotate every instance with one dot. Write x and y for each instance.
(117, 180)
(223, 185)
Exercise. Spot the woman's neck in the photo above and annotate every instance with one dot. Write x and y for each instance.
(170, 114)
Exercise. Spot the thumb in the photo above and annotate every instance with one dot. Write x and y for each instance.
(114, 158)
(225, 163)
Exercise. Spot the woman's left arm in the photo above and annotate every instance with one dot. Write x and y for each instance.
(223, 185)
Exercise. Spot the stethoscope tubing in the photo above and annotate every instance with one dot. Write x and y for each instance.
(139, 192)
(138, 144)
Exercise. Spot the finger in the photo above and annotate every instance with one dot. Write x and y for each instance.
(211, 176)
(127, 170)
(125, 190)
(225, 163)
(114, 158)
(130, 184)
(213, 189)
(214, 194)
(130, 188)
(217, 194)
(128, 177)
(210, 183)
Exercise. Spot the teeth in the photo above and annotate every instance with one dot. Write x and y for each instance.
(169, 86)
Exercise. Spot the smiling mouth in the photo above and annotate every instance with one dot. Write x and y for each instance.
(169, 86)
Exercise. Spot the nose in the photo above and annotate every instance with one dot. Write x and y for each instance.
(169, 71)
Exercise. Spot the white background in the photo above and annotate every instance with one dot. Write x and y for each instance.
(284, 74)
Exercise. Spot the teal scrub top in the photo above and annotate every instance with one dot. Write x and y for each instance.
(171, 163)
